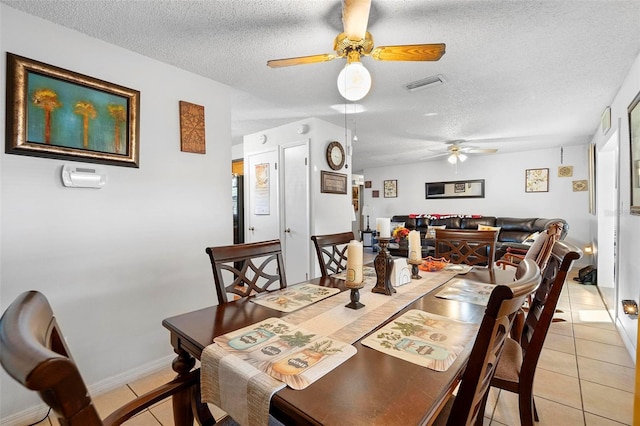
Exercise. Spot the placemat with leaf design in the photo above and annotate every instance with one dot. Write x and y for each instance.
(295, 297)
(423, 338)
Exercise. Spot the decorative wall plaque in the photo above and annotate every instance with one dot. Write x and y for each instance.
(565, 171)
(580, 185)
(192, 128)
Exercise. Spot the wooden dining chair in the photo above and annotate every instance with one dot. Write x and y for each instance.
(540, 250)
(468, 246)
(35, 354)
(517, 367)
(332, 251)
(248, 268)
(467, 407)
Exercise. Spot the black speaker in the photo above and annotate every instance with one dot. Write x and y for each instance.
(587, 275)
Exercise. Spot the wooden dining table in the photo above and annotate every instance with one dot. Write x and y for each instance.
(369, 388)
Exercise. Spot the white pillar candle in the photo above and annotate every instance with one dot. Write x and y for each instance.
(383, 226)
(415, 249)
(354, 264)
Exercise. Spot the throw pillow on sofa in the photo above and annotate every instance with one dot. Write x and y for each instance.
(489, 228)
(431, 230)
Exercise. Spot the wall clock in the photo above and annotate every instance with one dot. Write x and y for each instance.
(335, 155)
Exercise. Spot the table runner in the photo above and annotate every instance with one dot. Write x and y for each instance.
(423, 338)
(251, 389)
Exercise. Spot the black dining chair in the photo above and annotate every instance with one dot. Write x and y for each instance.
(516, 369)
(245, 269)
(331, 250)
(35, 354)
(467, 407)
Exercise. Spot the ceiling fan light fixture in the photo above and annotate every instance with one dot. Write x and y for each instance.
(452, 159)
(354, 81)
(462, 157)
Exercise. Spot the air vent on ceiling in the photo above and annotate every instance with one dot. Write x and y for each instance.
(425, 82)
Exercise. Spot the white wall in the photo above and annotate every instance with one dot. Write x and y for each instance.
(629, 225)
(115, 262)
(330, 213)
(504, 176)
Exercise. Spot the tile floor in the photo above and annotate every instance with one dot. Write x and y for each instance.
(585, 375)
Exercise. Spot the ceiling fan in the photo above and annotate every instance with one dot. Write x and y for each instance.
(457, 151)
(354, 80)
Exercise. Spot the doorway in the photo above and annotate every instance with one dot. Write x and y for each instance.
(607, 202)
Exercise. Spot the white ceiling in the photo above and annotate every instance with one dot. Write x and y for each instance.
(519, 74)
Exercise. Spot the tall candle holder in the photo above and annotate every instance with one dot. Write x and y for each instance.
(355, 295)
(383, 264)
(415, 275)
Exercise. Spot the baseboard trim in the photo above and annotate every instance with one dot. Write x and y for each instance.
(37, 412)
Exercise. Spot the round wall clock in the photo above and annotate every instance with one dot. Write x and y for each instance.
(335, 155)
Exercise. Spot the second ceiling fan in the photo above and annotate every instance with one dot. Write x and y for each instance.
(354, 80)
(457, 151)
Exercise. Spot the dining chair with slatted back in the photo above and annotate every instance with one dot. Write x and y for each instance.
(540, 250)
(467, 407)
(35, 354)
(332, 251)
(468, 246)
(246, 269)
(516, 369)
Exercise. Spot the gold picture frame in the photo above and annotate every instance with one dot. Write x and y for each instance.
(56, 113)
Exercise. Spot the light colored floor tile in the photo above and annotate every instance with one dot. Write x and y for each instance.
(559, 362)
(506, 410)
(492, 400)
(610, 337)
(163, 412)
(592, 317)
(607, 402)
(603, 352)
(559, 342)
(549, 412)
(153, 381)
(588, 299)
(565, 328)
(593, 420)
(107, 402)
(557, 387)
(605, 373)
(144, 419)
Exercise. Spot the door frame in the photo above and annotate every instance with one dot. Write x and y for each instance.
(608, 158)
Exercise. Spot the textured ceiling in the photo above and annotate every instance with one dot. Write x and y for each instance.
(519, 75)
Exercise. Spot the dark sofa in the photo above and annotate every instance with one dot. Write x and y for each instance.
(513, 230)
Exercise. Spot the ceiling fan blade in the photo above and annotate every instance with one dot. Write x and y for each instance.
(480, 150)
(355, 17)
(441, 154)
(300, 60)
(409, 52)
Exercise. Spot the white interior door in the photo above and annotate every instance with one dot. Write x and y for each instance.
(261, 185)
(295, 218)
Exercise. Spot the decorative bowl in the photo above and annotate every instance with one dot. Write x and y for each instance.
(432, 264)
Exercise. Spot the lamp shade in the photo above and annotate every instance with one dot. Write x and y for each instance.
(354, 81)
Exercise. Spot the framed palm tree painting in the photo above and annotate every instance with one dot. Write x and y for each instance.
(57, 113)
